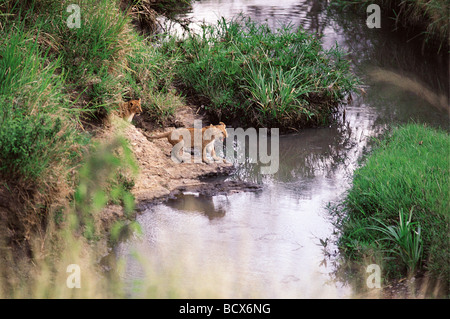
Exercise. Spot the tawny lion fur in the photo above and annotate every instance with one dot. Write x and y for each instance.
(208, 133)
(129, 109)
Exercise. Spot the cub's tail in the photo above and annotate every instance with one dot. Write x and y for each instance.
(157, 136)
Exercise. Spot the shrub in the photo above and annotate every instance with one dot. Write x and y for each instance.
(30, 146)
(265, 78)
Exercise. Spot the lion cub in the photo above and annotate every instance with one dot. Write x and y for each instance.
(208, 136)
(128, 109)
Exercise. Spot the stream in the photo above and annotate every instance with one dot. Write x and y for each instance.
(270, 243)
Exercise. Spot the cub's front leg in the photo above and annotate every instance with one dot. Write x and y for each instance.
(178, 155)
(204, 153)
(213, 154)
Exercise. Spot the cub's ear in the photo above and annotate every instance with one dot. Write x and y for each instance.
(222, 123)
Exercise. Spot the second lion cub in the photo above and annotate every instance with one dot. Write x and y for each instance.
(208, 136)
(129, 109)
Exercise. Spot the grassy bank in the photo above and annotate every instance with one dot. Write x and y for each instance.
(242, 70)
(428, 19)
(397, 211)
(58, 86)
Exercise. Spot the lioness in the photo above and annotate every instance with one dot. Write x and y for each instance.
(208, 135)
(128, 109)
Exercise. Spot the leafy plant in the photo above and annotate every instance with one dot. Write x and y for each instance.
(405, 237)
(29, 146)
(101, 181)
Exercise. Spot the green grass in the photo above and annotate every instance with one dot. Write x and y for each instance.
(53, 81)
(245, 71)
(398, 205)
(34, 133)
(406, 239)
(52, 78)
(106, 61)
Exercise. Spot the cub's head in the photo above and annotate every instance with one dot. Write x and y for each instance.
(223, 129)
(130, 108)
(134, 106)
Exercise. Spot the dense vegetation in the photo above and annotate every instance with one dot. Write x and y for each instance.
(57, 87)
(58, 83)
(246, 71)
(397, 211)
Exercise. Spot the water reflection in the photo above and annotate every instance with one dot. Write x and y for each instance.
(306, 154)
(309, 14)
(197, 203)
(400, 71)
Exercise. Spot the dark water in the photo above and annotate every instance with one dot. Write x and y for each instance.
(269, 244)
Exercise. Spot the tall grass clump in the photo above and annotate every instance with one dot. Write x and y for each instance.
(39, 145)
(35, 133)
(398, 205)
(244, 70)
(151, 76)
(87, 61)
(110, 62)
(104, 62)
(94, 56)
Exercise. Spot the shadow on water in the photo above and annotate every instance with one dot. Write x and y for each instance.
(197, 203)
(273, 240)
